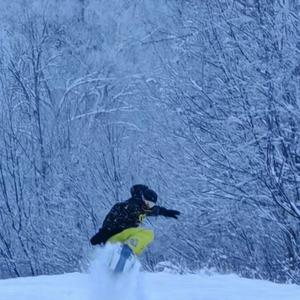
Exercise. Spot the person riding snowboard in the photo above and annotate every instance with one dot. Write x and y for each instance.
(121, 225)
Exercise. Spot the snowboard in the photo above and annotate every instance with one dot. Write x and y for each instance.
(122, 259)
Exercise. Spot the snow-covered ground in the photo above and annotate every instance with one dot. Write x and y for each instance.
(143, 286)
(157, 286)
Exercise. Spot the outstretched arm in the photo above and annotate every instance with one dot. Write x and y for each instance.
(162, 211)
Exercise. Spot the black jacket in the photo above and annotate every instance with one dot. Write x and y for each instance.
(125, 215)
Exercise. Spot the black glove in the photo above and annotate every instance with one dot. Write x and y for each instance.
(100, 237)
(171, 213)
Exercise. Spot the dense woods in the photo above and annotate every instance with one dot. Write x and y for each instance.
(197, 99)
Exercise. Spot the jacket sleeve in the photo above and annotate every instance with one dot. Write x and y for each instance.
(162, 211)
(108, 227)
(100, 237)
(156, 211)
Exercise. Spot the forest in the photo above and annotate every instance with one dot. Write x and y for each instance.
(200, 100)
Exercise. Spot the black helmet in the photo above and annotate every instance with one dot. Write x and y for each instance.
(150, 195)
(137, 190)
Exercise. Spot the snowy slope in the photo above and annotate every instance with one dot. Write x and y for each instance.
(98, 284)
(158, 286)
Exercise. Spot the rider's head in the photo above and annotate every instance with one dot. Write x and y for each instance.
(149, 198)
(142, 192)
(137, 190)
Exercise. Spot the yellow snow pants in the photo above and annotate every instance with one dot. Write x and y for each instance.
(136, 238)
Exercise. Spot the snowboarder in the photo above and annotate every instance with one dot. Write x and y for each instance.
(121, 225)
